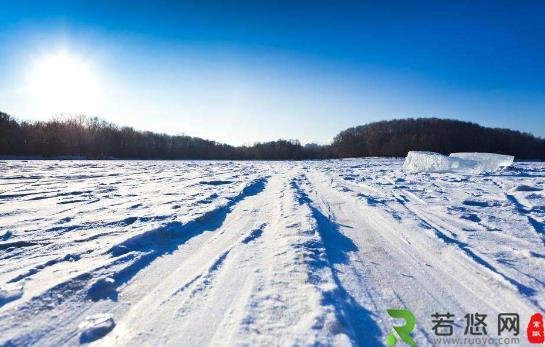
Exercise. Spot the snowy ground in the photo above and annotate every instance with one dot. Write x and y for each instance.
(201, 253)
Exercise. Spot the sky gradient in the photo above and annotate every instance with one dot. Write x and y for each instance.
(246, 71)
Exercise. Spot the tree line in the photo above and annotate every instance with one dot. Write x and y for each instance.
(93, 138)
(397, 137)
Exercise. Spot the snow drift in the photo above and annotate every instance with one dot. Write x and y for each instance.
(466, 163)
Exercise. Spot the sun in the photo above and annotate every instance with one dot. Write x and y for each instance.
(64, 83)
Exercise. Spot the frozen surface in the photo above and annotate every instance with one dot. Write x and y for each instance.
(464, 163)
(261, 253)
(418, 161)
(487, 161)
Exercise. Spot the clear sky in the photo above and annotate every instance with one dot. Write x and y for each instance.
(246, 71)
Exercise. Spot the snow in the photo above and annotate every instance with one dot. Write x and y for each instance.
(261, 253)
(102, 288)
(10, 291)
(95, 327)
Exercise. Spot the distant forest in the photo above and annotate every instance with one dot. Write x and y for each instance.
(397, 137)
(93, 138)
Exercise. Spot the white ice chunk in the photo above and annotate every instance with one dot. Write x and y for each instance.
(487, 161)
(95, 327)
(417, 161)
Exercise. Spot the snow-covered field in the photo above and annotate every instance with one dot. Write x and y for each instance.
(261, 253)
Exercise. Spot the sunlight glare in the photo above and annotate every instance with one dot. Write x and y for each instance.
(62, 83)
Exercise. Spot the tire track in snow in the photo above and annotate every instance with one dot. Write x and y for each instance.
(427, 219)
(400, 267)
(296, 300)
(204, 280)
(303, 261)
(142, 250)
(193, 288)
(169, 238)
(361, 322)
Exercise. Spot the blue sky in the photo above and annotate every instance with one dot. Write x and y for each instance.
(246, 71)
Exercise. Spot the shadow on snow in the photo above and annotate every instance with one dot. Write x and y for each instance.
(167, 239)
(365, 331)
